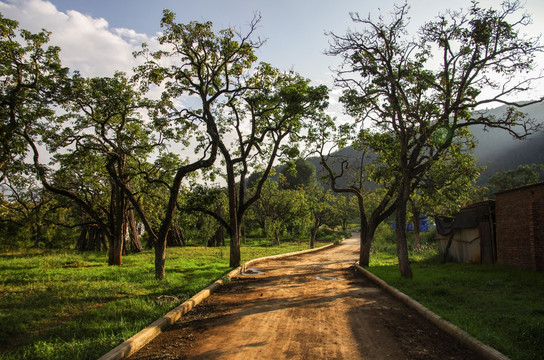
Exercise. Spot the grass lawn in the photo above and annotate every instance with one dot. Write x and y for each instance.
(68, 305)
(501, 306)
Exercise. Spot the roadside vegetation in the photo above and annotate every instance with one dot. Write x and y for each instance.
(499, 305)
(59, 304)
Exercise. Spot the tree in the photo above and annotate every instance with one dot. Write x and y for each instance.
(96, 144)
(298, 173)
(32, 77)
(346, 208)
(320, 204)
(29, 206)
(510, 179)
(274, 110)
(440, 193)
(208, 70)
(276, 208)
(357, 173)
(246, 114)
(389, 81)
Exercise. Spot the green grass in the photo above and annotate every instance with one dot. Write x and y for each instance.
(501, 306)
(68, 305)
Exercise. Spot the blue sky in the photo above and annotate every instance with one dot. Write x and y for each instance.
(97, 37)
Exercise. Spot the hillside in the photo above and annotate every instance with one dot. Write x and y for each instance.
(499, 151)
(496, 149)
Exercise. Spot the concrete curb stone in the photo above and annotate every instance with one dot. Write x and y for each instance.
(142, 338)
(463, 337)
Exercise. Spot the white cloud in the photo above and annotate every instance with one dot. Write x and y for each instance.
(87, 44)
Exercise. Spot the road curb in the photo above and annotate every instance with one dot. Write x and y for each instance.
(142, 338)
(462, 336)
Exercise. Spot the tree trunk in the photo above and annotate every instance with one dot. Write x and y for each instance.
(234, 221)
(367, 233)
(150, 242)
(82, 239)
(38, 236)
(160, 256)
(234, 246)
(117, 225)
(417, 239)
(134, 235)
(175, 236)
(313, 235)
(218, 238)
(91, 238)
(402, 244)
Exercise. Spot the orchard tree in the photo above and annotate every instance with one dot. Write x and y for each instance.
(245, 114)
(32, 76)
(427, 87)
(276, 208)
(346, 209)
(298, 173)
(94, 145)
(266, 122)
(358, 173)
(321, 208)
(201, 71)
(448, 183)
(28, 205)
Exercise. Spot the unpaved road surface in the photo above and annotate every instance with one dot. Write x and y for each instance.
(313, 306)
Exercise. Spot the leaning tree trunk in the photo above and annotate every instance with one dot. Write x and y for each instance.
(367, 235)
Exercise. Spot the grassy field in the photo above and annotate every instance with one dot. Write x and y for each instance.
(501, 306)
(68, 305)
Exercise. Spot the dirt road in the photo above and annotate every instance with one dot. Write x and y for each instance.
(313, 306)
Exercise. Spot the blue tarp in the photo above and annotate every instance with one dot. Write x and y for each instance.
(423, 224)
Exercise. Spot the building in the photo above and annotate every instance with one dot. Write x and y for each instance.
(520, 227)
(469, 237)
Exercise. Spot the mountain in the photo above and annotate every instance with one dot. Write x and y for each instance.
(499, 151)
(496, 149)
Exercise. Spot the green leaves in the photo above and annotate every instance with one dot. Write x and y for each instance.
(32, 81)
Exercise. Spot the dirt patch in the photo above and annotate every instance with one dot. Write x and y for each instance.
(313, 306)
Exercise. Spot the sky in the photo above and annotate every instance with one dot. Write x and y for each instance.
(97, 37)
